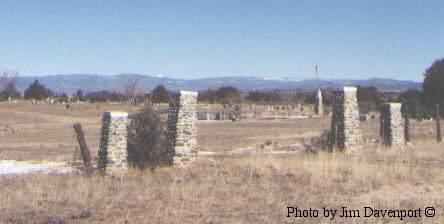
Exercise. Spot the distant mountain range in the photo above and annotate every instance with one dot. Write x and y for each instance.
(90, 83)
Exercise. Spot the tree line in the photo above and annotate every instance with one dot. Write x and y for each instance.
(418, 103)
(38, 91)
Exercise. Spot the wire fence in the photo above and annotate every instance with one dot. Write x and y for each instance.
(369, 130)
(418, 131)
(65, 137)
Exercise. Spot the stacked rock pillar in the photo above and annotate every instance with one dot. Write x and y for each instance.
(182, 125)
(345, 132)
(318, 106)
(113, 142)
(392, 129)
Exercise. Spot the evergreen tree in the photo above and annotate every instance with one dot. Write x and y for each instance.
(161, 95)
(79, 95)
(37, 91)
(433, 85)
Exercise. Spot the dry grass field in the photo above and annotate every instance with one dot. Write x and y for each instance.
(252, 188)
(44, 131)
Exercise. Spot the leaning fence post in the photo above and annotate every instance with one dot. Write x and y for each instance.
(438, 125)
(86, 155)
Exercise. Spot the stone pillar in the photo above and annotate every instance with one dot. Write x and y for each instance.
(392, 129)
(182, 124)
(345, 132)
(113, 142)
(318, 106)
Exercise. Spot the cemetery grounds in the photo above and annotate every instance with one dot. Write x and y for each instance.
(255, 184)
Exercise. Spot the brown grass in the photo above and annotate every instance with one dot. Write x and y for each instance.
(248, 189)
(44, 131)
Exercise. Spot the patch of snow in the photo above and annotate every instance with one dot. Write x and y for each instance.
(22, 167)
(269, 78)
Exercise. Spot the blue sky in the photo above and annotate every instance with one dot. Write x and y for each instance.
(191, 39)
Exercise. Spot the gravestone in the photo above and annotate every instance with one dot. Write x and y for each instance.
(318, 106)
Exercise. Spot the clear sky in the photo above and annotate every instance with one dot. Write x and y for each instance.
(191, 39)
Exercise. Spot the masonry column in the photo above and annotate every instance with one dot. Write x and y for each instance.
(345, 132)
(182, 124)
(392, 129)
(113, 142)
(318, 106)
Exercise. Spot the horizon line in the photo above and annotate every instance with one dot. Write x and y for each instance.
(221, 76)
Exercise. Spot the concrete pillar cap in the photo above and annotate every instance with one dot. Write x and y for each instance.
(116, 114)
(350, 89)
(186, 92)
(393, 105)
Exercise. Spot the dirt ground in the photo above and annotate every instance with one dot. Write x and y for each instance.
(255, 188)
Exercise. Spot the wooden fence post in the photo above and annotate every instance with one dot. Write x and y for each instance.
(438, 124)
(406, 124)
(86, 155)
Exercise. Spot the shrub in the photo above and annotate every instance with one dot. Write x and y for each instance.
(323, 142)
(147, 145)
